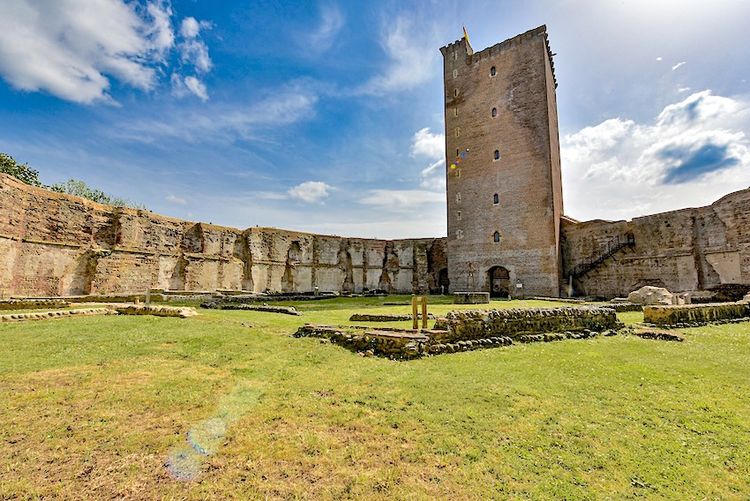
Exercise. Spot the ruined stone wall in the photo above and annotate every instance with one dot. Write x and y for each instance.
(55, 244)
(514, 78)
(684, 250)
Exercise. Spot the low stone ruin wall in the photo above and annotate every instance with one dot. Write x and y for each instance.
(515, 322)
(223, 305)
(32, 304)
(692, 315)
(157, 311)
(371, 317)
(394, 344)
(48, 315)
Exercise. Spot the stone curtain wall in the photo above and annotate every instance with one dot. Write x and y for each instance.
(684, 250)
(55, 244)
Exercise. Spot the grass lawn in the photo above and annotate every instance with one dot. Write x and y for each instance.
(109, 406)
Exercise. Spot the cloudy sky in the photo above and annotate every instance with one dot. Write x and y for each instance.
(327, 116)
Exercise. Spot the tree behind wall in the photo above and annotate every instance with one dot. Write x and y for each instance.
(23, 172)
(9, 165)
(80, 189)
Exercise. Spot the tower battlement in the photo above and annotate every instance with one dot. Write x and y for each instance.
(474, 57)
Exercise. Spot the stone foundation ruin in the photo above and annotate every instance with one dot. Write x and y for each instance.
(472, 329)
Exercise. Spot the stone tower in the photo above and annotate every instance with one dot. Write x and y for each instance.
(504, 184)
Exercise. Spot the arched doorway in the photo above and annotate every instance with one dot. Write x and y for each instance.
(499, 282)
(443, 281)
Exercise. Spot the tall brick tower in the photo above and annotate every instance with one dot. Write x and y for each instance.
(504, 184)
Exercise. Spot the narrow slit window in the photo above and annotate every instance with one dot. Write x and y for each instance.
(458, 215)
(455, 73)
(496, 237)
(495, 199)
(493, 71)
(494, 112)
(497, 155)
(455, 112)
(455, 92)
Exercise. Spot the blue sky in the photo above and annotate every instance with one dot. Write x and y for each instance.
(327, 116)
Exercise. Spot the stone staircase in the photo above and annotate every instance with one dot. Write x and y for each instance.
(614, 246)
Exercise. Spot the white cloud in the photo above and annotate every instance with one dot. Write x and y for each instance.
(331, 22)
(195, 52)
(659, 58)
(402, 200)
(225, 122)
(682, 63)
(70, 48)
(161, 28)
(683, 89)
(432, 147)
(310, 191)
(694, 152)
(425, 143)
(196, 87)
(190, 27)
(411, 53)
(174, 199)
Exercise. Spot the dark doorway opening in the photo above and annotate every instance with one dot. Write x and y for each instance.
(499, 282)
(443, 281)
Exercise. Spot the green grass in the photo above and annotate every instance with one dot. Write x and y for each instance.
(95, 406)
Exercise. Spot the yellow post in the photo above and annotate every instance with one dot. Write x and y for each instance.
(424, 312)
(415, 318)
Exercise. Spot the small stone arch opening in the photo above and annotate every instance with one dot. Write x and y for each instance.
(499, 278)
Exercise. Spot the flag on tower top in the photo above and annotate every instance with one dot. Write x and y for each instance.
(466, 35)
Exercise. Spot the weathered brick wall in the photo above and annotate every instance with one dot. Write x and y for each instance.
(526, 177)
(689, 249)
(54, 244)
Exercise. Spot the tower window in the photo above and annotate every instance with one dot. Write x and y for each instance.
(458, 131)
(458, 215)
(459, 234)
(455, 92)
(495, 199)
(455, 73)
(494, 112)
(455, 112)
(496, 237)
(456, 151)
(497, 155)
(458, 197)
(493, 71)
(455, 55)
